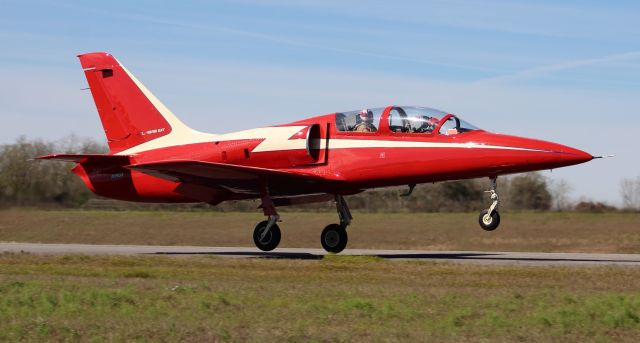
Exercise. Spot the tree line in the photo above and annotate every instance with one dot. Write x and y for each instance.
(25, 182)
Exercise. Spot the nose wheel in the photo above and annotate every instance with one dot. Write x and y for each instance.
(489, 219)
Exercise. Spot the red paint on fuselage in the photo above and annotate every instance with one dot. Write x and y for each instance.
(356, 168)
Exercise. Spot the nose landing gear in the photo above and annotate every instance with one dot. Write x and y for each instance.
(490, 218)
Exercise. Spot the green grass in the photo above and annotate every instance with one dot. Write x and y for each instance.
(524, 231)
(337, 299)
(341, 299)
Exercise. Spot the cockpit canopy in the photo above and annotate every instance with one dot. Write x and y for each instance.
(403, 119)
(414, 119)
(366, 120)
(454, 125)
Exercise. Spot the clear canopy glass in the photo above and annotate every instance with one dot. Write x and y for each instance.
(454, 125)
(412, 119)
(365, 120)
(403, 119)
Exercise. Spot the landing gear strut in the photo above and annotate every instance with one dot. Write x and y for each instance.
(490, 218)
(266, 235)
(334, 237)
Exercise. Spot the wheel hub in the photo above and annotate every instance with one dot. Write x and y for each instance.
(332, 238)
(267, 238)
(487, 219)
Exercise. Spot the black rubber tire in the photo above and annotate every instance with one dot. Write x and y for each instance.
(492, 221)
(270, 241)
(334, 238)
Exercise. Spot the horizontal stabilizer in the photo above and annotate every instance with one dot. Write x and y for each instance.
(82, 158)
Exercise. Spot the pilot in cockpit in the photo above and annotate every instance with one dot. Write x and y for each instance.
(428, 125)
(366, 122)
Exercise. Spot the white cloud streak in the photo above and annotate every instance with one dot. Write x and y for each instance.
(551, 68)
(274, 38)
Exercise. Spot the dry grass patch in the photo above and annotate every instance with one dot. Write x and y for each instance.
(546, 232)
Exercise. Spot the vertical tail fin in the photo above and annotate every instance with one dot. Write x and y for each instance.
(131, 115)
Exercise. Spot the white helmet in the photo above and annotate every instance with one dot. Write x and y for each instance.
(366, 115)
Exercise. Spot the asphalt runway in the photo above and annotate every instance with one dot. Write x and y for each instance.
(482, 257)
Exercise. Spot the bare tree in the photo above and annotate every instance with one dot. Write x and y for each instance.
(630, 191)
(560, 190)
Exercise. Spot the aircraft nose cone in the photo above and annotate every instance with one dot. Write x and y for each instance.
(562, 155)
(535, 154)
(576, 155)
(559, 155)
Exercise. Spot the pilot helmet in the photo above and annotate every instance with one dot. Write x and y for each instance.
(366, 115)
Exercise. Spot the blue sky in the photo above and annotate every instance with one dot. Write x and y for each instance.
(565, 71)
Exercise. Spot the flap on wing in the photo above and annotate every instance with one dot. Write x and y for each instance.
(212, 170)
(233, 177)
(82, 158)
(208, 194)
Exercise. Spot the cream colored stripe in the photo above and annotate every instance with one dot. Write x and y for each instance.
(374, 143)
(180, 133)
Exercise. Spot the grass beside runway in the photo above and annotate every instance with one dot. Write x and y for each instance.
(339, 298)
(525, 231)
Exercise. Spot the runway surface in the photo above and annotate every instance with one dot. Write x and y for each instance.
(483, 257)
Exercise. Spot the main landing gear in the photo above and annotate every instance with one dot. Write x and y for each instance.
(266, 235)
(334, 237)
(490, 218)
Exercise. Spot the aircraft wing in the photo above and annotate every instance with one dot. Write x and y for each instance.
(235, 178)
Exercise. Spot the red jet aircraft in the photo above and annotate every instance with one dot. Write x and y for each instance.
(154, 157)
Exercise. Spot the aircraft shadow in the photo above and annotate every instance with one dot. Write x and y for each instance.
(257, 254)
(498, 257)
(397, 256)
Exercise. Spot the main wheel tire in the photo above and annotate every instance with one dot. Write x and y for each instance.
(489, 222)
(270, 241)
(334, 238)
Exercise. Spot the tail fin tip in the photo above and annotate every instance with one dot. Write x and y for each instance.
(97, 60)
